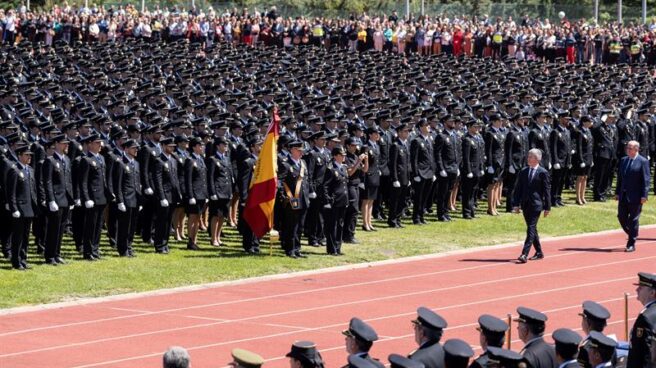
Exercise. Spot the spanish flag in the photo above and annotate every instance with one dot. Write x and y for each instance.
(258, 212)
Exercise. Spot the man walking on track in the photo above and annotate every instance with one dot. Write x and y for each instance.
(533, 195)
(631, 191)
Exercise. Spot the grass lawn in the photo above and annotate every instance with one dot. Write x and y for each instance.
(149, 271)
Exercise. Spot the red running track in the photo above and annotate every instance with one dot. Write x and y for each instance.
(266, 316)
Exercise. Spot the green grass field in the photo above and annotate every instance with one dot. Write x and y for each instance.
(150, 271)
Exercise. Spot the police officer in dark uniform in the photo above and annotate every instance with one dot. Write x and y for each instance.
(538, 138)
(448, 155)
(371, 178)
(316, 160)
(220, 178)
(593, 318)
(58, 187)
(127, 187)
(357, 166)
(335, 200)
(457, 353)
(516, 151)
(428, 328)
(166, 193)
(294, 191)
(639, 353)
(505, 358)
(536, 351)
(21, 199)
(113, 154)
(567, 347)
(93, 190)
(605, 141)
(602, 350)
(400, 175)
(245, 167)
(360, 337)
(149, 153)
(561, 157)
(582, 160)
(473, 161)
(495, 138)
(195, 189)
(422, 163)
(492, 334)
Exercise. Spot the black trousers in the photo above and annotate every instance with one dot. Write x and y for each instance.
(558, 183)
(444, 187)
(248, 239)
(78, 220)
(162, 225)
(54, 233)
(383, 197)
(334, 227)
(509, 184)
(39, 229)
(422, 198)
(5, 231)
(126, 226)
(532, 238)
(314, 222)
(292, 229)
(351, 213)
(112, 219)
(629, 216)
(397, 204)
(20, 234)
(146, 218)
(468, 188)
(603, 167)
(92, 229)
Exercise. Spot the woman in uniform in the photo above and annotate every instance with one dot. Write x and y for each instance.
(494, 147)
(583, 158)
(372, 177)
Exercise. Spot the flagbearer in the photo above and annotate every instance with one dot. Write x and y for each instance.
(295, 190)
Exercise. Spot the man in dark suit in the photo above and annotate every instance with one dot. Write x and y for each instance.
(127, 187)
(631, 192)
(58, 189)
(639, 354)
(537, 353)
(93, 186)
(533, 195)
(567, 347)
(21, 199)
(429, 327)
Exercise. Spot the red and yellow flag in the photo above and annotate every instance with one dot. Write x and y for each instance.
(258, 212)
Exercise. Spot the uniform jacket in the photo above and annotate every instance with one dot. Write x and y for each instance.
(539, 354)
(57, 180)
(430, 354)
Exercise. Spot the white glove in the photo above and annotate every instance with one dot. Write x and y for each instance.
(573, 151)
(43, 203)
(434, 177)
(458, 172)
(396, 184)
(192, 201)
(16, 214)
(490, 170)
(70, 208)
(583, 165)
(140, 208)
(88, 204)
(52, 205)
(361, 185)
(482, 172)
(417, 179)
(549, 165)
(214, 197)
(511, 169)
(327, 206)
(313, 195)
(148, 191)
(592, 164)
(164, 203)
(443, 174)
(470, 175)
(121, 207)
(556, 167)
(78, 203)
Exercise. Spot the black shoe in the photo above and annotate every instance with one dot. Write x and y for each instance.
(351, 241)
(300, 255)
(19, 268)
(90, 258)
(162, 251)
(292, 255)
(443, 219)
(60, 260)
(423, 222)
(393, 225)
(522, 259)
(192, 246)
(630, 249)
(51, 261)
(467, 217)
(448, 217)
(536, 257)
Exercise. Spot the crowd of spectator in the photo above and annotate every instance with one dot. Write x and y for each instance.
(573, 41)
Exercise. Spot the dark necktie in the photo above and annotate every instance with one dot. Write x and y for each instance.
(531, 172)
(628, 165)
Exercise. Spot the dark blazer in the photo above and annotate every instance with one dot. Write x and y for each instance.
(127, 182)
(561, 147)
(639, 352)
(539, 354)
(93, 183)
(195, 178)
(480, 362)
(316, 163)
(516, 147)
(219, 177)
(399, 163)
(473, 156)
(584, 146)
(533, 195)
(372, 176)
(430, 354)
(422, 160)
(147, 158)
(57, 181)
(539, 138)
(165, 179)
(335, 186)
(244, 174)
(604, 141)
(288, 174)
(494, 148)
(447, 152)
(633, 182)
(21, 191)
